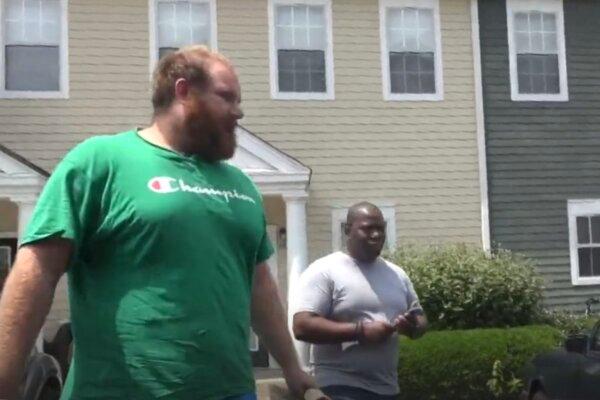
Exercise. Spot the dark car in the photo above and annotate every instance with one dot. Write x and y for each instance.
(570, 373)
(45, 370)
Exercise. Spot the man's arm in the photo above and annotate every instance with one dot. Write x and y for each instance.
(26, 299)
(312, 328)
(269, 322)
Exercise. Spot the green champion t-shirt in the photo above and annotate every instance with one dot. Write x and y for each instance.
(160, 280)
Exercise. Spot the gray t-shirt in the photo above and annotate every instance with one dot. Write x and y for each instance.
(340, 288)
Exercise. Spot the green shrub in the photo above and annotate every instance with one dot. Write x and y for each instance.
(567, 323)
(476, 364)
(461, 287)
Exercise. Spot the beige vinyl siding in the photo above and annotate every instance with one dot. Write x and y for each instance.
(108, 79)
(419, 156)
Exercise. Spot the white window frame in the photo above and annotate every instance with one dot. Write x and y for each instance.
(339, 216)
(63, 93)
(385, 58)
(546, 6)
(576, 208)
(153, 28)
(329, 65)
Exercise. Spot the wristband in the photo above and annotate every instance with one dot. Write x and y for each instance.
(358, 332)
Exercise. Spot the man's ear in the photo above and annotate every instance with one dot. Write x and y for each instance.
(347, 228)
(182, 89)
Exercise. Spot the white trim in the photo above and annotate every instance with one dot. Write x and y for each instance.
(329, 62)
(549, 6)
(577, 208)
(9, 235)
(63, 93)
(480, 120)
(339, 215)
(385, 60)
(153, 31)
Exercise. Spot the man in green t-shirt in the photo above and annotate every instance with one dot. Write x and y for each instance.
(164, 245)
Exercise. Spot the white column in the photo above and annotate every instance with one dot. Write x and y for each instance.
(26, 206)
(297, 258)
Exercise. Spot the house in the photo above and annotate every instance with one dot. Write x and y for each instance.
(345, 100)
(541, 76)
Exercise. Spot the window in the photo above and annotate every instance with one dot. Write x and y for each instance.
(411, 55)
(301, 49)
(178, 23)
(536, 41)
(5, 263)
(33, 59)
(584, 239)
(338, 224)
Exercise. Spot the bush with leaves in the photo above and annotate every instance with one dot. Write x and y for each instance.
(474, 364)
(461, 287)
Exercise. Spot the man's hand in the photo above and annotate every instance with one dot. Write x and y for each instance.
(374, 331)
(299, 382)
(411, 324)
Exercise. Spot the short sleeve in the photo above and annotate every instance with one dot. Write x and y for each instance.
(314, 292)
(265, 248)
(412, 300)
(68, 203)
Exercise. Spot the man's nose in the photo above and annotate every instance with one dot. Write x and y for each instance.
(238, 113)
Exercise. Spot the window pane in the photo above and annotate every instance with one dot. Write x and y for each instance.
(317, 38)
(163, 51)
(397, 73)
(595, 229)
(412, 83)
(32, 68)
(300, 38)
(426, 62)
(538, 73)
(165, 12)
(521, 22)
(410, 18)
(428, 83)
(316, 16)
(537, 44)
(283, 15)
(13, 10)
(522, 41)
(549, 22)
(585, 262)
(550, 43)
(200, 13)
(412, 62)
(583, 230)
(301, 71)
(412, 73)
(183, 29)
(285, 38)
(535, 22)
(300, 15)
(596, 261)
(51, 21)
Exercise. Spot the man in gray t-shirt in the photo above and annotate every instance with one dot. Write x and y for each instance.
(351, 307)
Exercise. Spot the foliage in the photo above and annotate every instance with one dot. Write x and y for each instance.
(461, 287)
(471, 364)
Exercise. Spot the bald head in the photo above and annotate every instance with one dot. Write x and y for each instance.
(365, 229)
(362, 209)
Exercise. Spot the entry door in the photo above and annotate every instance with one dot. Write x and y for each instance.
(8, 249)
(260, 356)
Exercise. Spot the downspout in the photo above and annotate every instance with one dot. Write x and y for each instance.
(480, 122)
